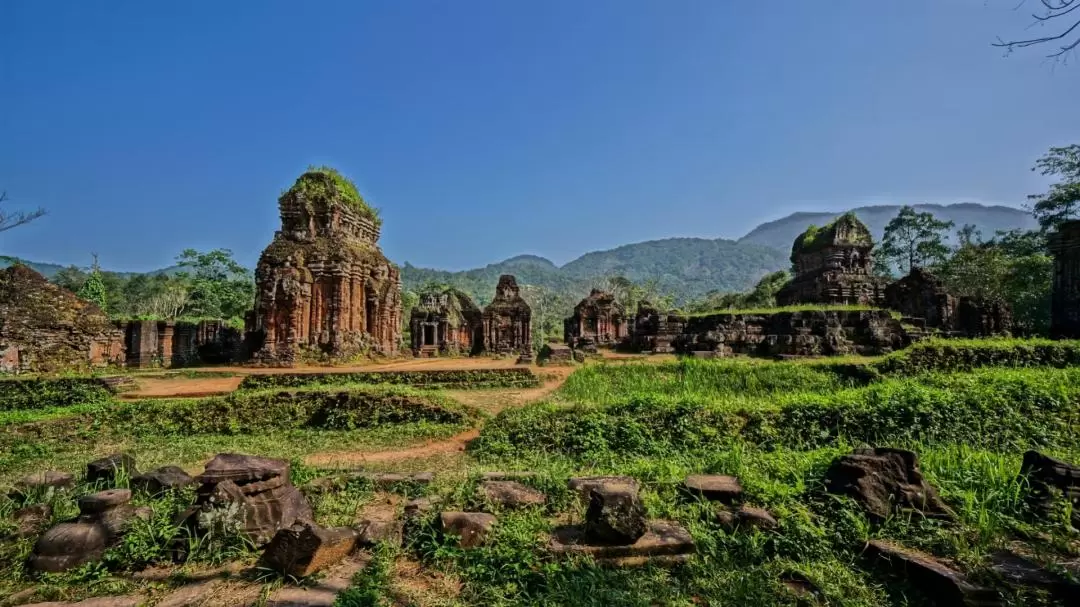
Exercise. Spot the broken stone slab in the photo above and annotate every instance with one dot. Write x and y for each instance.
(303, 549)
(419, 507)
(259, 490)
(615, 515)
(28, 485)
(930, 576)
(69, 545)
(583, 485)
(1018, 571)
(104, 470)
(747, 517)
(472, 528)
(324, 593)
(166, 478)
(1049, 477)
(714, 487)
(664, 542)
(32, 520)
(378, 531)
(100, 601)
(879, 478)
(511, 495)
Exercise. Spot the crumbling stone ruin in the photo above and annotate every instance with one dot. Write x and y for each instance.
(154, 343)
(446, 321)
(810, 333)
(1065, 306)
(833, 265)
(924, 301)
(598, 320)
(508, 321)
(655, 331)
(44, 327)
(323, 284)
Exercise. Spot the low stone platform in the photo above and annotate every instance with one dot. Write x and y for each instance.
(664, 542)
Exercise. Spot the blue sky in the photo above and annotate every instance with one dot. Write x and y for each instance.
(486, 129)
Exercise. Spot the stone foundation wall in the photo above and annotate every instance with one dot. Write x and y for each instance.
(811, 333)
(152, 343)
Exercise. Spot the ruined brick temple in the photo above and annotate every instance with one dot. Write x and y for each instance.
(507, 321)
(46, 328)
(323, 285)
(598, 320)
(1065, 300)
(833, 265)
(446, 321)
(925, 303)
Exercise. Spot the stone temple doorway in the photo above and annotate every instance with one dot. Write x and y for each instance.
(429, 335)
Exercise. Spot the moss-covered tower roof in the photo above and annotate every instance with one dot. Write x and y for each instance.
(324, 186)
(844, 231)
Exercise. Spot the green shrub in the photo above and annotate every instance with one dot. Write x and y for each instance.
(967, 354)
(42, 393)
(517, 377)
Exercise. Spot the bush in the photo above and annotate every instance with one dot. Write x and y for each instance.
(245, 413)
(18, 394)
(449, 379)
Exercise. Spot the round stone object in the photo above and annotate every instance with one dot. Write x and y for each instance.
(101, 501)
(69, 545)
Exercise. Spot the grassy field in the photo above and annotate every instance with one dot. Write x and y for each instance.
(969, 409)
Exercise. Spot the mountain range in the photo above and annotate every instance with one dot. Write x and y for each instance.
(686, 267)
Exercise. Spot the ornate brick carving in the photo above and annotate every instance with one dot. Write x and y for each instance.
(598, 318)
(833, 265)
(446, 321)
(323, 285)
(507, 320)
(1065, 306)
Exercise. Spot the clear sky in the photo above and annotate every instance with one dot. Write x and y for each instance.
(486, 129)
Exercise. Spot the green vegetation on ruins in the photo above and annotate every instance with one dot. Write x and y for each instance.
(325, 185)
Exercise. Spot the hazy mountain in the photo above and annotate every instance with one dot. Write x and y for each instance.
(686, 267)
(781, 233)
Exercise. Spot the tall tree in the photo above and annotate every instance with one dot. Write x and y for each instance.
(14, 219)
(1059, 18)
(93, 290)
(1062, 202)
(914, 240)
(219, 286)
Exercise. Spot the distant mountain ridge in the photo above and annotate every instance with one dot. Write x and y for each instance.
(686, 267)
(779, 234)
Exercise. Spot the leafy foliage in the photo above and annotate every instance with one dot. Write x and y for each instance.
(343, 190)
(517, 377)
(913, 240)
(218, 286)
(1062, 202)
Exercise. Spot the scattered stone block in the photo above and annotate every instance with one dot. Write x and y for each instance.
(1048, 478)
(41, 481)
(615, 515)
(933, 578)
(471, 527)
(378, 531)
(422, 478)
(110, 508)
(714, 487)
(1018, 571)
(302, 549)
(260, 489)
(105, 469)
(69, 545)
(583, 485)
(166, 478)
(511, 495)
(664, 542)
(31, 520)
(747, 517)
(880, 478)
(419, 507)
(556, 354)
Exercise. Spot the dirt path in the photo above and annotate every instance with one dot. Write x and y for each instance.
(490, 401)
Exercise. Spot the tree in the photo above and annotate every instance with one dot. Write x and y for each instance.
(219, 287)
(914, 240)
(14, 219)
(93, 290)
(1063, 200)
(1056, 14)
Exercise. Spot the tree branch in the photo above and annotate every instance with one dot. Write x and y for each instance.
(1054, 9)
(17, 218)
